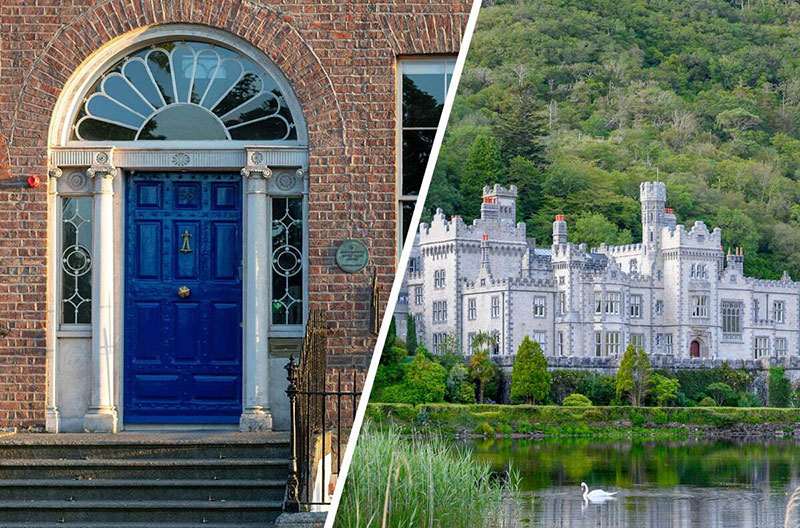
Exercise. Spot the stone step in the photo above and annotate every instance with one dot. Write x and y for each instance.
(142, 489)
(134, 525)
(150, 445)
(196, 468)
(157, 512)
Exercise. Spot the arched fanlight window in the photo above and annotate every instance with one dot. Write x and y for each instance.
(185, 90)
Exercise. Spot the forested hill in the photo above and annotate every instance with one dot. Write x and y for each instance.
(576, 102)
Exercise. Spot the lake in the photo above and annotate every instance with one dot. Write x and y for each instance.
(672, 484)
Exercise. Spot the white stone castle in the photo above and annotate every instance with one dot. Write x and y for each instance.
(673, 294)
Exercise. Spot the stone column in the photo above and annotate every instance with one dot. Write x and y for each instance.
(256, 414)
(102, 415)
(52, 415)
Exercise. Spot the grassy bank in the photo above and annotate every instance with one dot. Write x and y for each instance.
(556, 420)
(400, 481)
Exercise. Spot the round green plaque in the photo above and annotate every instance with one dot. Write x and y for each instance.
(352, 256)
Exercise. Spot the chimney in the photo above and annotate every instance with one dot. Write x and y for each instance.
(559, 230)
(736, 261)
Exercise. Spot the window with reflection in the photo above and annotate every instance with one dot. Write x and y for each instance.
(76, 260)
(184, 90)
(287, 261)
(423, 86)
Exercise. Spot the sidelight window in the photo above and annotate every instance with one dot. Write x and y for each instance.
(76, 260)
(287, 261)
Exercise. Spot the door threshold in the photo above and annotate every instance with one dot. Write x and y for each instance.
(179, 427)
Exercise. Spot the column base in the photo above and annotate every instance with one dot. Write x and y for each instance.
(100, 420)
(255, 420)
(52, 420)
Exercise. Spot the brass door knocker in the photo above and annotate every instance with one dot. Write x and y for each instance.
(186, 236)
(184, 292)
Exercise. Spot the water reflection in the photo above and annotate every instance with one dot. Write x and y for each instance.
(695, 484)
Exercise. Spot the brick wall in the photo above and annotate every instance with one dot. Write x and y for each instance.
(340, 59)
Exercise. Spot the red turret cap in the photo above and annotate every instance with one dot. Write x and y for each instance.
(559, 218)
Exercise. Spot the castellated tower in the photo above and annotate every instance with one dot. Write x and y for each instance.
(499, 204)
(653, 197)
(569, 261)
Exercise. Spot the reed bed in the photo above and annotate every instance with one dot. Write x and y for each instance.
(422, 481)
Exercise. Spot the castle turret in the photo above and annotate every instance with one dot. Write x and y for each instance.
(653, 197)
(559, 231)
(499, 203)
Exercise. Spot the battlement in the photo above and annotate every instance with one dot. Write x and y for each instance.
(441, 229)
(652, 191)
(698, 237)
(628, 249)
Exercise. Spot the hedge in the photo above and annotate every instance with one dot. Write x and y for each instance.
(452, 418)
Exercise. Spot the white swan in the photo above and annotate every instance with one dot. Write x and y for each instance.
(596, 495)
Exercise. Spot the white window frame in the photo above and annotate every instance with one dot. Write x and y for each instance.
(635, 308)
(495, 307)
(760, 347)
(613, 302)
(449, 66)
(562, 303)
(659, 307)
(540, 306)
(637, 340)
(612, 343)
(781, 347)
(418, 300)
(598, 303)
(541, 338)
(699, 307)
(560, 343)
(779, 311)
(732, 313)
(472, 309)
(598, 344)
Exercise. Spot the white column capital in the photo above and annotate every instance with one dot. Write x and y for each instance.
(256, 171)
(54, 173)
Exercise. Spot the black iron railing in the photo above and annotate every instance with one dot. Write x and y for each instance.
(321, 409)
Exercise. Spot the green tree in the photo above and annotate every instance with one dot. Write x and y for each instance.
(780, 388)
(633, 376)
(665, 390)
(595, 229)
(483, 166)
(722, 393)
(530, 380)
(411, 335)
(391, 337)
(483, 342)
(520, 129)
(426, 380)
(482, 370)
(459, 387)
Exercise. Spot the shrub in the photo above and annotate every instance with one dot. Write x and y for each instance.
(530, 381)
(459, 388)
(428, 378)
(780, 388)
(636, 419)
(525, 427)
(665, 390)
(592, 415)
(597, 387)
(660, 417)
(708, 401)
(485, 429)
(504, 429)
(576, 400)
(694, 381)
(721, 392)
(748, 400)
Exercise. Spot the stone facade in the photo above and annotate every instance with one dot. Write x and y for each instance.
(676, 294)
(339, 59)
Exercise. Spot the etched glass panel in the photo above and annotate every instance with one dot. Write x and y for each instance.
(287, 261)
(76, 260)
(185, 91)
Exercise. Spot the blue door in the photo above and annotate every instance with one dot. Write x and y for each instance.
(183, 298)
